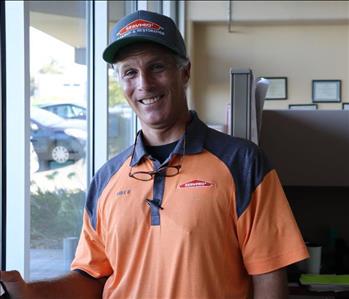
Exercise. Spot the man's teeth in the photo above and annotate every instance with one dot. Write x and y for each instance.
(150, 101)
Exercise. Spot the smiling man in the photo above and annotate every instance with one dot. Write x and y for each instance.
(186, 212)
(154, 82)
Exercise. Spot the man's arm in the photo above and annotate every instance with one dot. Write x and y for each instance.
(272, 285)
(70, 286)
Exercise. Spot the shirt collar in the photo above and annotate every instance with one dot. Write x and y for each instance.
(195, 135)
(194, 138)
(138, 149)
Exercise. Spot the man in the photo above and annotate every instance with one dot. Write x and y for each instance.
(186, 212)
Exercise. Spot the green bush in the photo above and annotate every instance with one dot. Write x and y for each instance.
(54, 216)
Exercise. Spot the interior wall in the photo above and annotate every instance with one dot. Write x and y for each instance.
(301, 53)
(251, 11)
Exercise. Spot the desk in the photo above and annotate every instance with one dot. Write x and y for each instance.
(298, 290)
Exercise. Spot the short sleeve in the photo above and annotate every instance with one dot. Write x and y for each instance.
(90, 256)
(268, 234)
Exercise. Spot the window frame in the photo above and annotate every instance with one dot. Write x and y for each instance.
(17, 149)
(2, 137)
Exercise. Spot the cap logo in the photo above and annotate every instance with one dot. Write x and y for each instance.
(195, 184)
(140, 26)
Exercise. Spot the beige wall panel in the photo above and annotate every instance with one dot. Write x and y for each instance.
(299, 52)
(254, 11)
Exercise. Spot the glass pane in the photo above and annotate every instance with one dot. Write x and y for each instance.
(58, 87)
(121, 119)
(2, 77)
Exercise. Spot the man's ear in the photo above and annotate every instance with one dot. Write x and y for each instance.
(186, 73)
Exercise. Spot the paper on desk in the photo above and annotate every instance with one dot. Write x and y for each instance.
(328, 288)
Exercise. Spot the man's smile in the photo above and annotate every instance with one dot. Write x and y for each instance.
(150, 100)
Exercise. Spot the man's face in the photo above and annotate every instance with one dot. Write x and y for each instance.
(153, 84)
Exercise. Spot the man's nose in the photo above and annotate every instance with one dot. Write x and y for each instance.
(145, 81)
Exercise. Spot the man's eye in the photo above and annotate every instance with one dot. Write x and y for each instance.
(157, 67)
(129, 73)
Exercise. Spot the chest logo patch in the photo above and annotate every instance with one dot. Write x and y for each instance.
(195, 184)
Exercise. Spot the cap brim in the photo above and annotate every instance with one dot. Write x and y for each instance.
(111, 51)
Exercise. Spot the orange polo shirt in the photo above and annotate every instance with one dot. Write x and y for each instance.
(205, 231)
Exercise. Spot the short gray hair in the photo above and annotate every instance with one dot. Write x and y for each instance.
(181, 62)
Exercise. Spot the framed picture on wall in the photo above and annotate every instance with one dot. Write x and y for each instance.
(326, 91)
(277, 89)
(302, 106)
(345, 106)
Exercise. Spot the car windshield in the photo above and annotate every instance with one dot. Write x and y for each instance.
(44, 117)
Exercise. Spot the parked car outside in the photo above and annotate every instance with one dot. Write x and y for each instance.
(66, 110)
(56, 139)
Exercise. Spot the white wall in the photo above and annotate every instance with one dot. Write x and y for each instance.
(315, 46)
(271, 11)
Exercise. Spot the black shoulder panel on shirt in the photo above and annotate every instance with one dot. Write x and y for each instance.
(245, 160)
(100, 180)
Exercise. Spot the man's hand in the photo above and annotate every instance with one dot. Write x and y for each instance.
(15, 286)
(71, 286)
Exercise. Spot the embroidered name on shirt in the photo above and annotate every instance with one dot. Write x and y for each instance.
(123, 192)
(196, 184)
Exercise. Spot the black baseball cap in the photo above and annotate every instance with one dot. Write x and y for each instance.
(144, 26)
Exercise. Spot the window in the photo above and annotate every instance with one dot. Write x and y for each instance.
(2, 100)
(51, 124)
(121, 118)
(59, 141)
